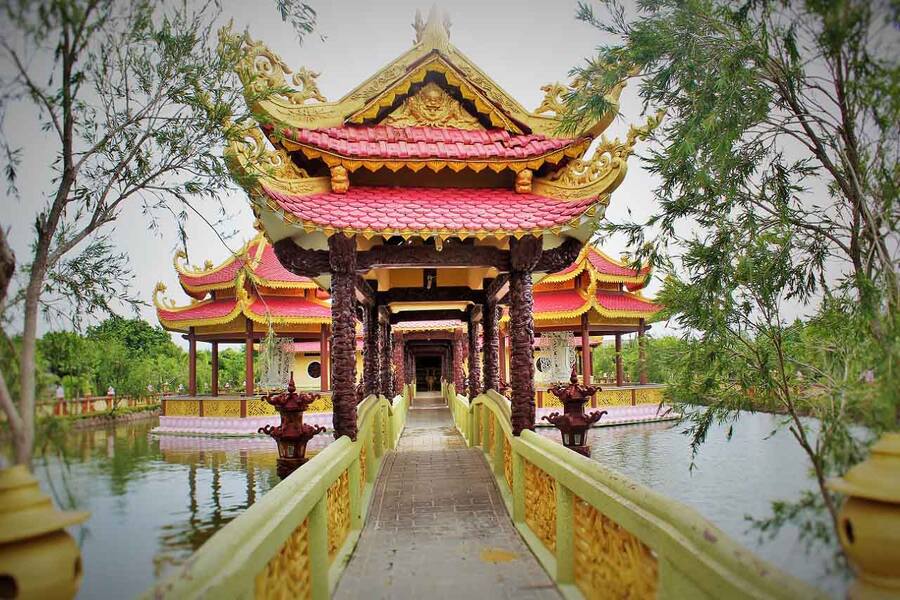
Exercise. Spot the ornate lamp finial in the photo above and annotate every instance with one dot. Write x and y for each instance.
(435, 32)
(573, 424)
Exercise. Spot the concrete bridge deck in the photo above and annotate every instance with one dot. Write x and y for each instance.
(437, 526)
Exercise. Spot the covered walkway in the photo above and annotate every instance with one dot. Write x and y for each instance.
(437, 526)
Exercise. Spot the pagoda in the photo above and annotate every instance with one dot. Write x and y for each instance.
(594, 297)
(239, 301)
(426, 193)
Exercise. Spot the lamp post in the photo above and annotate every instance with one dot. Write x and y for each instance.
(292, 434)
(573, 424)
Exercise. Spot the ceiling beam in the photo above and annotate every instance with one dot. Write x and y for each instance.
(435, 294)
(426, 315)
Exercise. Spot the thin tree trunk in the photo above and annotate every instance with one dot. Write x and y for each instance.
(18, 428)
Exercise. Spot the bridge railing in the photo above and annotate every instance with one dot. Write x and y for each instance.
(600, 535)
(295, 541)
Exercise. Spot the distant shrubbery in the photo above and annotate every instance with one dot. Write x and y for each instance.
(127, 354)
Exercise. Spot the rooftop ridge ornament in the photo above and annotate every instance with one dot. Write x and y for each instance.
(574, 423)
(263, 72)
(435, 32)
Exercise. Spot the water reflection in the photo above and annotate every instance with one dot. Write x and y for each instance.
(153, 501)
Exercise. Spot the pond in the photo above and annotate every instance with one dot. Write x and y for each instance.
(731, 479)
(153, 501)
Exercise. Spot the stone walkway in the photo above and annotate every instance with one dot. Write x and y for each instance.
(437, 526)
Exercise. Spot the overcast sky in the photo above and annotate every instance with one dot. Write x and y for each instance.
(521, 44)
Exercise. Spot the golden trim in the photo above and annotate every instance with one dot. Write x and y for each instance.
(333, 159)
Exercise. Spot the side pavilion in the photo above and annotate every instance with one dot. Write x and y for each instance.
(426, 193)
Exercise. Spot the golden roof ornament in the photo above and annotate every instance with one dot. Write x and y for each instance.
(434, 33)
(553, 99)
(263, 72)
(431, 106)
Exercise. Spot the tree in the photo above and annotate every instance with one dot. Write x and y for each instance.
(778, 177)
(137, 101)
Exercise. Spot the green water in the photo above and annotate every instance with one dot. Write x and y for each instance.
(151, 506)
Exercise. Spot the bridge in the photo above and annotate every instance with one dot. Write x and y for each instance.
(437, 498)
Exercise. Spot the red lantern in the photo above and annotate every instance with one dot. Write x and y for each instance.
(573, 424)
(292, 434)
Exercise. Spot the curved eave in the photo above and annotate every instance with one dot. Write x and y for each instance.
(580, 225)
(583, 263)
(183, 325)
(351, 163)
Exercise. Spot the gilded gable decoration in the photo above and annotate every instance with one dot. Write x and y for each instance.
(264, 73)
(431, 106)
(553, 99)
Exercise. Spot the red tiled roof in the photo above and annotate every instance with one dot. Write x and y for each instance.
(434, 210)
(607, 267)
(426, 142)
(558, 301)
(268, 269)
(619, 301)
(215, 309)
(289, 306)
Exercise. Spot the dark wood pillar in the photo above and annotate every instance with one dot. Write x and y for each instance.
(342, 264)
(192, 363)
(371, 350)
(399, 360)
(214, 367)
(248, 360)
(504, 372)
(387, 355)
(474, 360)
(620, 371)
(642, 354)
(524, 254)
(458, 359)
(491, 346)
(587, 365)
(324, 358)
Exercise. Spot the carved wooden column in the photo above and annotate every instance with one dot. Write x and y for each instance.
(214, 368)
(371, 350)
(458, 358)
(587, 365)
(387, 354)
(342, 264)
(325, 359)
(192, 363)
(504, 376)
(524, 254)
(474, 360)
(399, 362)
(491, 346)
(642, 354)
(248, 360)
(620, 372)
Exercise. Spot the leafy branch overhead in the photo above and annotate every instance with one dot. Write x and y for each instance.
(777, 196)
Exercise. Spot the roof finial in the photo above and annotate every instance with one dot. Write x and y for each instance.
(434, 33)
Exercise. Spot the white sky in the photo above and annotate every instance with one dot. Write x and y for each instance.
(521, 44)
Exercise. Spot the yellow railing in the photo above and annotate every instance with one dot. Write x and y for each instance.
(600, 535)
(296, 540)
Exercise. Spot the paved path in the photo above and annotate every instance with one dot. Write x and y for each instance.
(437, 527)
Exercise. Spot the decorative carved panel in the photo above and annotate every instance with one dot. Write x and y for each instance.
(338, 513)
(540, 505)
(288, 573)
(610, 562)
(431, 106)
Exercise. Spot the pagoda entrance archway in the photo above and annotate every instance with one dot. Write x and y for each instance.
(428, 372)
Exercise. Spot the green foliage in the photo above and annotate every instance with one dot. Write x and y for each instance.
(777, 163)
(662, 354)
